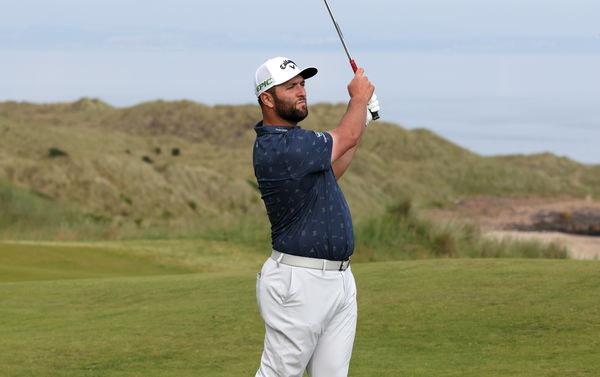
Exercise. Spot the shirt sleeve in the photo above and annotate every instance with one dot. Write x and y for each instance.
(309, 152)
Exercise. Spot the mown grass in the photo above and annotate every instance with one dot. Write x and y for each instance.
(454, 317)
(479, 318)
(35, 261)
(43, 260)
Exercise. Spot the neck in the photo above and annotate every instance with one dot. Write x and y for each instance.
(270, 118)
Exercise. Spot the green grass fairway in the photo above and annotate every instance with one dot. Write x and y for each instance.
(465, 317)
(479, 318)
(26, 261)
(34, 261)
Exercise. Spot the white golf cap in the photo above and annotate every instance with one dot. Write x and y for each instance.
(276, 71)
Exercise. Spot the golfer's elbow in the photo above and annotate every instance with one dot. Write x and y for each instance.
(349, 141)
(343, 141)
(346, 137)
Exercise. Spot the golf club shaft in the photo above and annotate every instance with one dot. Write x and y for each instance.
(374, 114)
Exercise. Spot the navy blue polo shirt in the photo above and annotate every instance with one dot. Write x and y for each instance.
(307, 209)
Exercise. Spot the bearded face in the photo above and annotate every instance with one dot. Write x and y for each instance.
(292, 109)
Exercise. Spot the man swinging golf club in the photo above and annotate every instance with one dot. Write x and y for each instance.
(306, 291)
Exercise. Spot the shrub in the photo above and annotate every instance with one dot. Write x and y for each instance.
(126, 199)
(55, 152)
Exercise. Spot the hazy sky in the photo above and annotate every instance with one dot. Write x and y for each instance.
(235, 24)
(525, 65)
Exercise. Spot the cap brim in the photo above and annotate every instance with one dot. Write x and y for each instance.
(308, 72)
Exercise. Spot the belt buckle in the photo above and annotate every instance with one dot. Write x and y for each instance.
(342, 265)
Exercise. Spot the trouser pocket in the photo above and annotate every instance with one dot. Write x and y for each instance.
(258, 275)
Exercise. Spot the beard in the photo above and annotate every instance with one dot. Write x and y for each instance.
(288, 110)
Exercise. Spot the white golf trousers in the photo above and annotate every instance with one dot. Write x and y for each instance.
(310, 320)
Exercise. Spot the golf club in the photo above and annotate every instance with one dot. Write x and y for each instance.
(374, 114)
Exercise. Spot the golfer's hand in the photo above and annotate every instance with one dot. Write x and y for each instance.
(372, 107)
(360, 88)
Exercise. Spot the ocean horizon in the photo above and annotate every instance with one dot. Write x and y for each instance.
(489, 103)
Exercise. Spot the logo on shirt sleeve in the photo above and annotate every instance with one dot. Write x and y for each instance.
(320, 134)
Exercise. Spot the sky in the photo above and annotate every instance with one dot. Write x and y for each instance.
(496, 77)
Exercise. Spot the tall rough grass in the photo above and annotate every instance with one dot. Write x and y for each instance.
(26, 215)
(399, 233)
(22, 211)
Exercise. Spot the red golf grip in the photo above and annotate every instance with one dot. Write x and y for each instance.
(374, 114)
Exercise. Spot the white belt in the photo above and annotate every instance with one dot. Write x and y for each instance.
(319, 264)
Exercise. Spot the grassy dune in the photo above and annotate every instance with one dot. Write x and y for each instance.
(168, 163)
(417, 318)
(172, 170)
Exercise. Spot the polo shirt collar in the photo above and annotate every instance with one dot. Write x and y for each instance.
(263, 130)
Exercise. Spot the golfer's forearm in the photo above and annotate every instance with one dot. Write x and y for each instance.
(349, 131)
(355, 115)
(353, 121)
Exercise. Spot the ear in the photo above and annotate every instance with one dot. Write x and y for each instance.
(267, 99)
